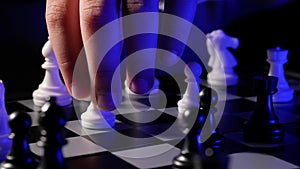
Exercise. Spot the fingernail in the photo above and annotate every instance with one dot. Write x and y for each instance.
(80, 86)
(169, 59)
(106, 102)
(79, 92)
(75, 91)
(139, 86)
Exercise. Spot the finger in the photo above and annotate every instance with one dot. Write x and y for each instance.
(62, 17)
(103, 55)
(185, 9)
(143, 81)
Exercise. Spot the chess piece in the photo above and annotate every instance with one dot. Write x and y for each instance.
(52, 120)
(208, 101)
(20, 156)
(52, 84)
(221, 59)
(189, 99)
(264, 126)
(298, 126)
(5, 142)
(203, 142)
(277, 58)
(93, 118)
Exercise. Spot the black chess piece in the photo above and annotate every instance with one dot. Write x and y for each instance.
(264, 126)
(52, 120)
(20, 156)
(203, 152)
(208, 99)
(298, 126)
(190, 146)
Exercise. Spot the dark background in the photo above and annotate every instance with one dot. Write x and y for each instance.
(259, 25)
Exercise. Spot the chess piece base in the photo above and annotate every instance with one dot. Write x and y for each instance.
(283, 95)
(42, 94)
(97, 119)
(268, 134)
(183, 161)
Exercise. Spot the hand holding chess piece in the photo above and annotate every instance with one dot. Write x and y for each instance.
(69, 42)
(221, 59)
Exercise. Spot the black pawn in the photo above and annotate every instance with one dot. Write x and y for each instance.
(20, 156)
(52, 121)
(208, 98)
(198, 153)
(264, 126)
(298, 126)
(190, 146)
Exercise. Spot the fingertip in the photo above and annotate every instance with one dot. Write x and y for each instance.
(80, 94)
(141, 85)
(109, 101)
(168, 59)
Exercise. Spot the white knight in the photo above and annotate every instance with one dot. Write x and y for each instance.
(222, 61)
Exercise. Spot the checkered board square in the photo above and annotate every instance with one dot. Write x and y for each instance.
(151, 137)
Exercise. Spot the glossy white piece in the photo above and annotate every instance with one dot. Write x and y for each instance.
(221, 60)
(190, 98)
(52, 84)
(93, 118)
(277, 58)
(5, 142)
(4, 128)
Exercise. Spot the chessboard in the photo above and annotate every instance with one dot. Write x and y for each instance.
(139, 138)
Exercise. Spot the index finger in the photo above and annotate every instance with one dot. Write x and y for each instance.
(185, 9)
(62, 18)
(102, 60)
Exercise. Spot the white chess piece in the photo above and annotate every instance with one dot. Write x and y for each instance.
(52, 84)
(93, 118)
(5, 142)
(190, 98)
(277, 58)
(221, 59)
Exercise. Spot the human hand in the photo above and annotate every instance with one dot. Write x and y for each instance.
(71, 23)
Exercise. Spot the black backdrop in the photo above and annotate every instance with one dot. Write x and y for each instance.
(259, 25)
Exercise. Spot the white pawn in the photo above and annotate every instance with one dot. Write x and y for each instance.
(52, 84)
(277, 58)
(190, 98)
(5, 142)
(93, 118)
(221, 59)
